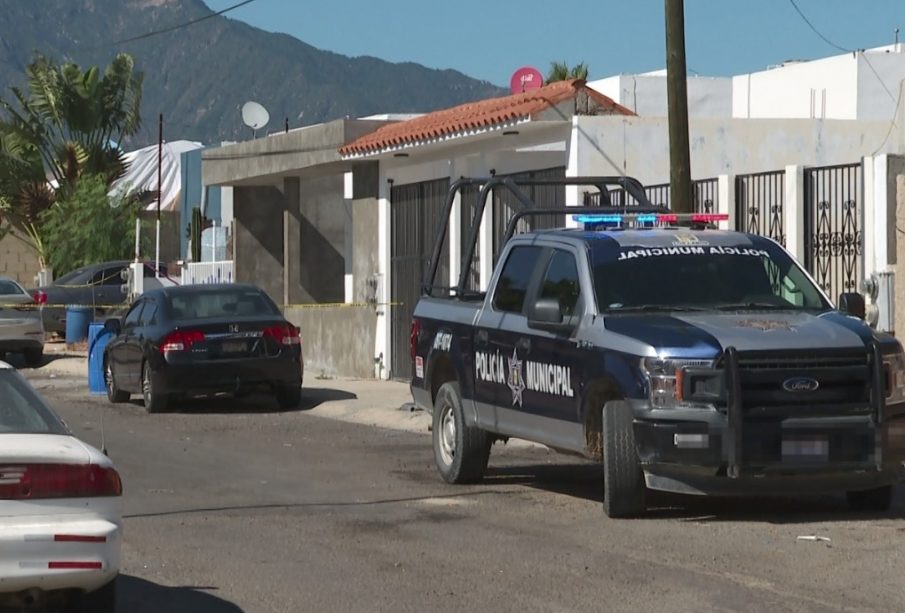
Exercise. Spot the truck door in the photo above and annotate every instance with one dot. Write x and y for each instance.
(554, 362)
(500, 340)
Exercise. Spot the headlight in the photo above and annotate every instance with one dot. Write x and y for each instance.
(894, 367)
(665, 376)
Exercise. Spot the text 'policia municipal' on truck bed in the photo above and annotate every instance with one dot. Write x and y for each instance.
(685, 358)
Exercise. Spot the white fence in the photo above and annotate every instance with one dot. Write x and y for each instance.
(200, 273)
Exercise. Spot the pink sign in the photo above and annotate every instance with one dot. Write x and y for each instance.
(524, 79)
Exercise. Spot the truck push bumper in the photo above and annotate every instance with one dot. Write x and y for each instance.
(731, 452)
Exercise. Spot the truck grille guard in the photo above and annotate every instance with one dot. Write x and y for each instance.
(733, 443)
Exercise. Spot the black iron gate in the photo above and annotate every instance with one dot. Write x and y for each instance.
(833, 221)
(505, 204)
(415, 212)
(705, 196)
(760, 204)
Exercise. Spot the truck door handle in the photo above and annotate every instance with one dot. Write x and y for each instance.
(481, 338)
(524, 344)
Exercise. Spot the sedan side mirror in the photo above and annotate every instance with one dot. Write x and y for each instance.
(852, 304)
(113, 326)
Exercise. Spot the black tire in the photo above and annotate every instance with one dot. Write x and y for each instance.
(114, 394)
(461, 452)
(155, 401)
(34, 357)
(878, 499)
(289, 396)
(98, 601)
(623, 480)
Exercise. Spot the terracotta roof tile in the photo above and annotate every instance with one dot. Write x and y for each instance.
(481, 114)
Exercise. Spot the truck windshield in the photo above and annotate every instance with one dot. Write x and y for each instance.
(712, 279)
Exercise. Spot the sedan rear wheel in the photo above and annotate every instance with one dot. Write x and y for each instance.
(34, 357)
(114, 394)
(155, 401)
(289, 396)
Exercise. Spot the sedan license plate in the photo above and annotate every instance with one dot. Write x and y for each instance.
(234, 347)
(816, 448)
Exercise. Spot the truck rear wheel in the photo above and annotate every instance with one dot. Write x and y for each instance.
(877, 499)
(460, 451)
(623, 480)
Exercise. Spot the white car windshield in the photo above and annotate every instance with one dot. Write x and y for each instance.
(21, 409)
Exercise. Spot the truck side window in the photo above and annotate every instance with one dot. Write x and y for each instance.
(561, 282)
(512, 286)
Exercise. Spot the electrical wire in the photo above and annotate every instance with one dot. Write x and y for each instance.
(176, 27)
(816, 31)
(896, 101)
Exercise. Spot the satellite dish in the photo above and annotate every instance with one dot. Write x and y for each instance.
(524, 79)
(254, 115)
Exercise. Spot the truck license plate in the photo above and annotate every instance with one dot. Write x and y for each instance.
(806, 448)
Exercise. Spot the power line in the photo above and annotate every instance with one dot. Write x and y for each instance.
(176, 27)
(816, 31)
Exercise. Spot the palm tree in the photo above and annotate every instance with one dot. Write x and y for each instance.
(560, 71)
(65, 126)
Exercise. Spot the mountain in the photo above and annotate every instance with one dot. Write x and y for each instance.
(199, 76)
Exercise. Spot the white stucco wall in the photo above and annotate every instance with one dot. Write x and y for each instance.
(880, 74)
(646, 94)
(639, 146)
(847, 86)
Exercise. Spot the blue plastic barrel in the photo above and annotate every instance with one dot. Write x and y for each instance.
(77, 320)
(98, 337)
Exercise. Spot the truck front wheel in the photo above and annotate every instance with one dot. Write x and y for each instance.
(460, 451)
(623, 480)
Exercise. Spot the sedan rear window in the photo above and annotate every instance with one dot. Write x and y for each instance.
(8, 288)
(212, 304)
(21, 409)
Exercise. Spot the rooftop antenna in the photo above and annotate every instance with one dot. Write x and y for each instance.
(254, 116)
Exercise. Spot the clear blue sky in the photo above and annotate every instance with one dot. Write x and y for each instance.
(489, 39)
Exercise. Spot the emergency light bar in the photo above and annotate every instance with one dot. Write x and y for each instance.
(649, 218)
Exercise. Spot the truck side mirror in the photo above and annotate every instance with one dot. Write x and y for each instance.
(547, 315)
(852, 303)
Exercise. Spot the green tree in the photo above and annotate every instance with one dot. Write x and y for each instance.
(66, 125)
(560, 71)
(88, 226)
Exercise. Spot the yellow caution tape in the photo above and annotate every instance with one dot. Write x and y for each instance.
(339, 305)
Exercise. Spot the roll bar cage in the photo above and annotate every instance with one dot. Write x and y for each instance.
(528, 208)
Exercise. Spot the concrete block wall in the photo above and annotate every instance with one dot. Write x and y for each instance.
(336, 340)
(18, 261)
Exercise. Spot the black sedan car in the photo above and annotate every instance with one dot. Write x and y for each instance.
(202, 340)
(101, 285)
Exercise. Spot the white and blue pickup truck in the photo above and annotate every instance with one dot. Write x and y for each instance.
(686, 359)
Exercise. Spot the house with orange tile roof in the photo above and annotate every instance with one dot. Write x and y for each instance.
(338, 221)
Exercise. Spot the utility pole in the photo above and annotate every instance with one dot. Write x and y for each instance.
(681, 197)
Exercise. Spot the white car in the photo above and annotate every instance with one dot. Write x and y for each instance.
(60, 509)
(21, 323)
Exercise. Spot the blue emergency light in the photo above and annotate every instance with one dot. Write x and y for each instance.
(646, 219)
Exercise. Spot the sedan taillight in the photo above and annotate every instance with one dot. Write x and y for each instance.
(39, 297)
(40, 481)
(181, 340)
(285, 334)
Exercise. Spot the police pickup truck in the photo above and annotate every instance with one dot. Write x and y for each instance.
(685, 358)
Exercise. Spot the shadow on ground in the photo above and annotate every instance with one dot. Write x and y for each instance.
(17, 361)
(140, 596)
(252, 403)
(585, 481)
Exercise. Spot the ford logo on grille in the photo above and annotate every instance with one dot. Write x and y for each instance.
(800, 384)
